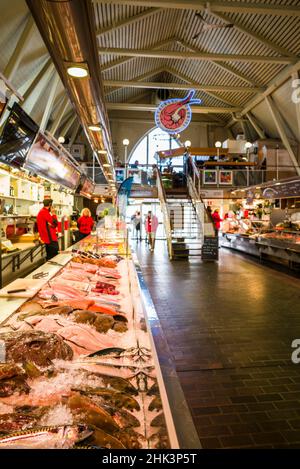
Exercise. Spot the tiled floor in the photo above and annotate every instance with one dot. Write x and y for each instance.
(230, 326)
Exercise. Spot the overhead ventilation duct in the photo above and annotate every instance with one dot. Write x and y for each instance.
(68, 30)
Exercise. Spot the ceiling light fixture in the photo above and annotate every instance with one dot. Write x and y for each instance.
(95, 127)
(78, 70)
(61, 139)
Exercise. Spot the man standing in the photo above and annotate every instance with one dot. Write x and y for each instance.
(47, 224)
(136, 222)
(151, 225)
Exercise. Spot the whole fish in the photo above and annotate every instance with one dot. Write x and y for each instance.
(60, 437)
(64, 310)
(116, 399)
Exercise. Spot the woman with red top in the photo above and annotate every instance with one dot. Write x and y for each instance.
(85, 224)
(217, 219)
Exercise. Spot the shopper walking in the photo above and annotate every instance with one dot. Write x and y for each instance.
(151, 225)
(136, 222)
(85, 224)
(47, 226)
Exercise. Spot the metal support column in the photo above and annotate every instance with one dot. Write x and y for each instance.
(16, 57)
(50, 102)
(94, 160)
(280, 128)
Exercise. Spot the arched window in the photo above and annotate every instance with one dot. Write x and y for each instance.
(155, 140)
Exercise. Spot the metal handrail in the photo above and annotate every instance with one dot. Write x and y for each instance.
(164, 208)
(194, 190)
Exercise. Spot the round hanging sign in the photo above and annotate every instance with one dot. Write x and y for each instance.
(174, 115)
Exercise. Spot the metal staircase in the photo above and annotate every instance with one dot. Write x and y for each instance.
(186, 229)
(184, 221)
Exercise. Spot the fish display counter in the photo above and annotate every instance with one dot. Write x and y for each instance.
(279, 247)
(78, 365)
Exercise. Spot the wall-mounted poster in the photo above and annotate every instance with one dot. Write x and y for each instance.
(120, 175)
(209, 176)
(225, 177)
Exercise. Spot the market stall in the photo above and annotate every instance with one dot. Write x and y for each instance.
(258, 227)
(79, 365)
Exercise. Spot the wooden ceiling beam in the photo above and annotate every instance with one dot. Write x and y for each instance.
(199, 56)
(119, 84)
(281, 131)
(178, 86)
(215, 6)
(222, 66)
(118, 62)
(257, 37)
(128, 21)
(153, 107)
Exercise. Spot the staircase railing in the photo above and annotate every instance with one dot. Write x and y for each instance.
(164, 208)
(194, 189)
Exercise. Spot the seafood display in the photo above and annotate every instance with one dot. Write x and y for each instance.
(78, 370)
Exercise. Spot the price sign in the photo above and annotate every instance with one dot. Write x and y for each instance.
(210, 248)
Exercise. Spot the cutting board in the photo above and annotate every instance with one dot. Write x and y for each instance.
(32, 287)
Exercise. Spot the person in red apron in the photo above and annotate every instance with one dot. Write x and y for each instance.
(47, 226)
(85, 224)
(217, 219)
(151, 225)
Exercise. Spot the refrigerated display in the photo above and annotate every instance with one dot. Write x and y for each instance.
(78, 363)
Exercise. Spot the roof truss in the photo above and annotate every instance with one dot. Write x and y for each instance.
(128, 21)
(200, 56)
(215, 6)
(153, 107)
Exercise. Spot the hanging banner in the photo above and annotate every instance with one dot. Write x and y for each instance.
(174, 115)
(123, 195)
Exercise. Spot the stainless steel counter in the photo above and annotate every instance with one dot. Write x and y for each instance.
(264, 248)
(183, 423)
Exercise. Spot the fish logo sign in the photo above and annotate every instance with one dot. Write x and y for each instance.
(174, 115)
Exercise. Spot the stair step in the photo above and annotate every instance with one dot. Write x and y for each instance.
(179, 256)
(181, 253)
(179, 246)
